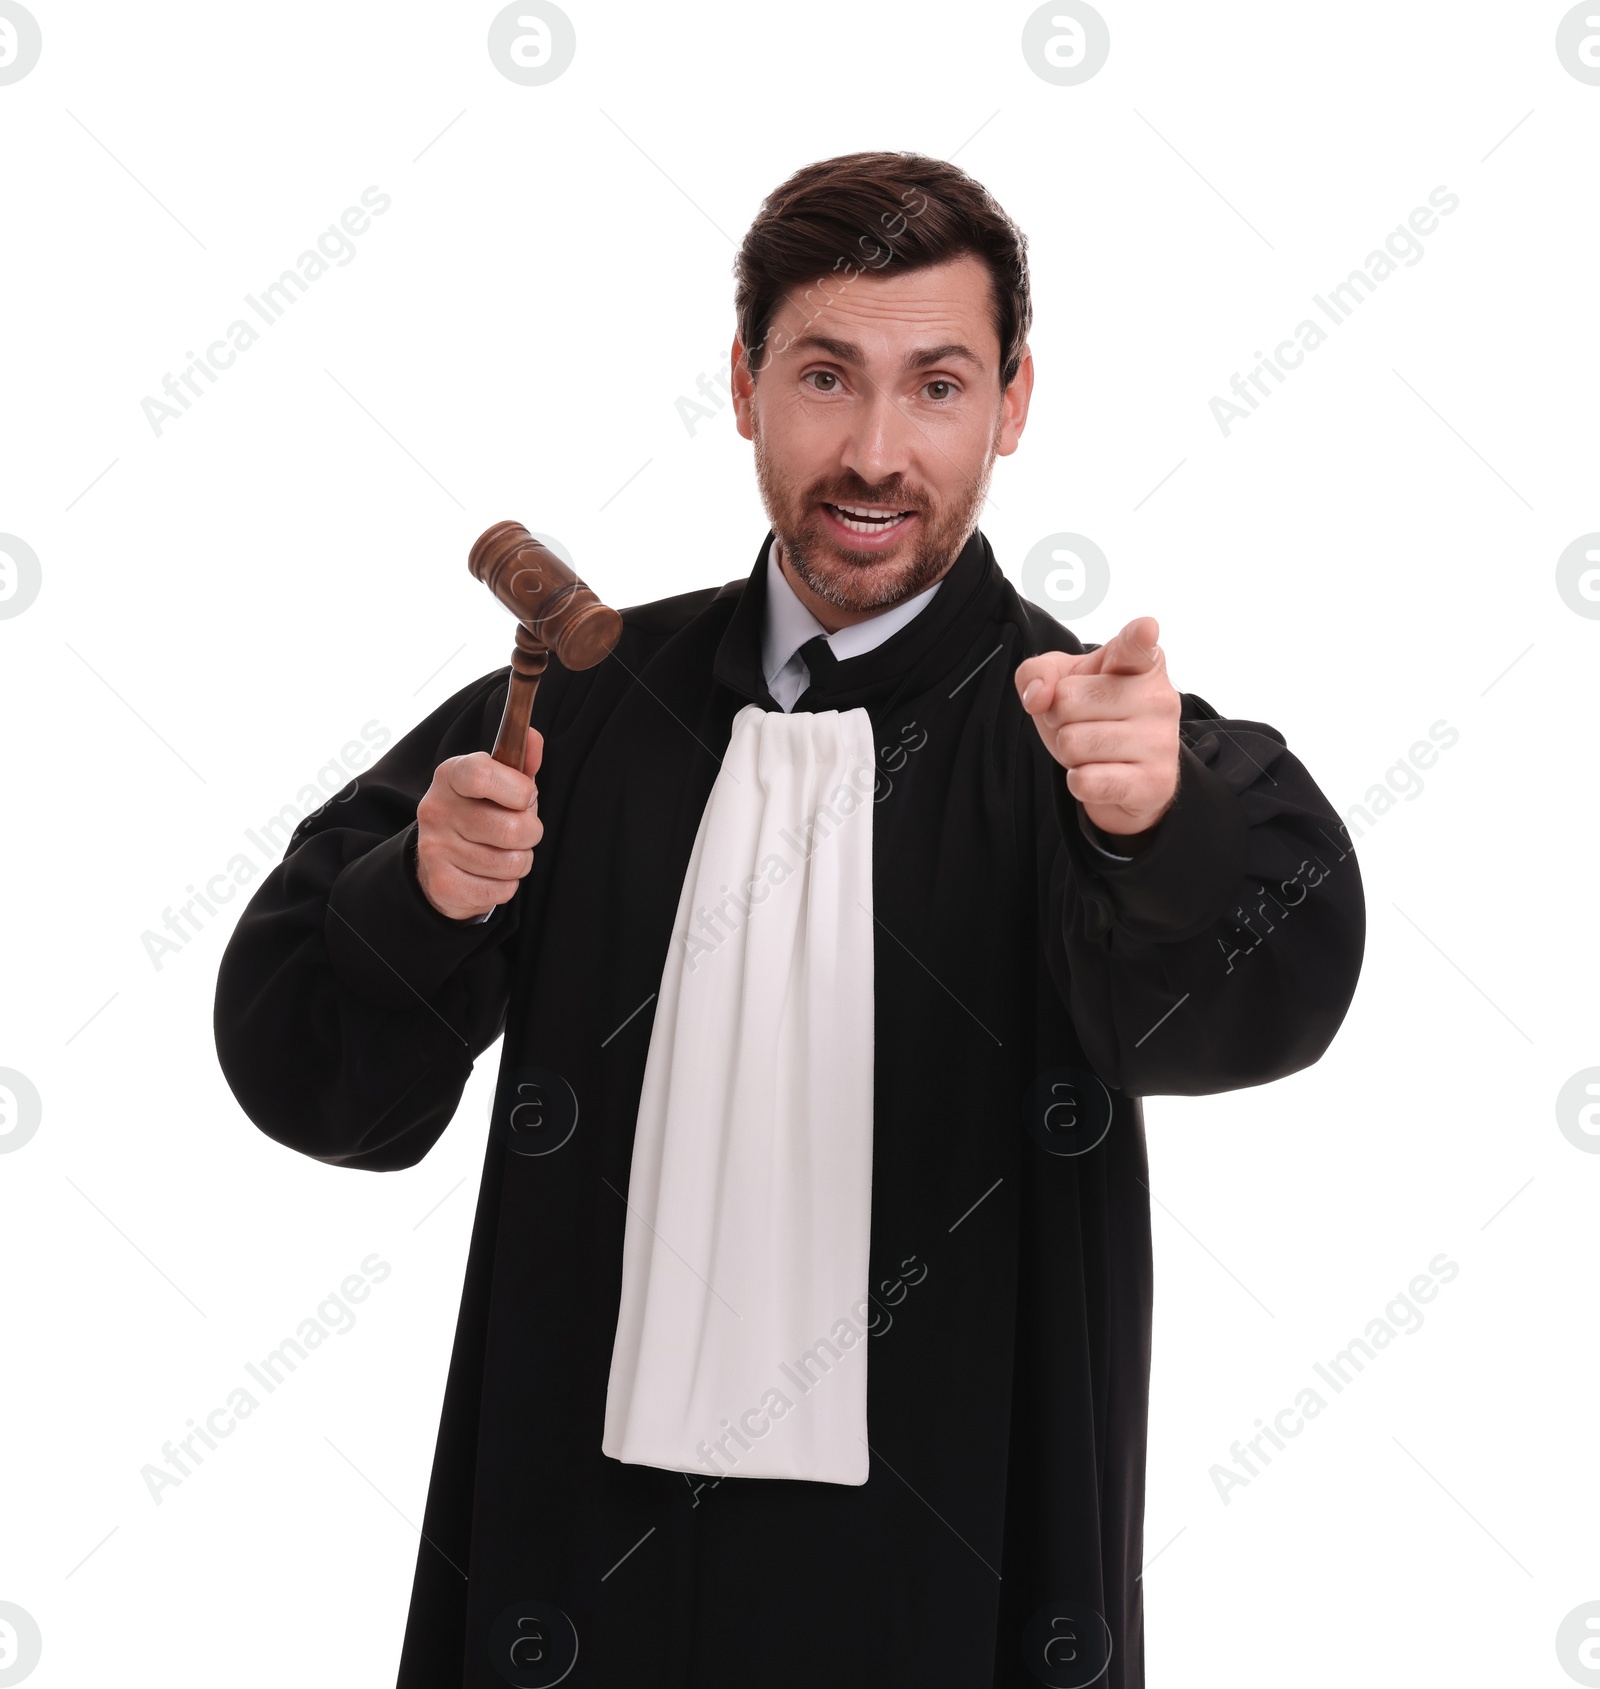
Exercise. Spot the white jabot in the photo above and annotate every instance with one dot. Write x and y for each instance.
(742, 1331)
(742, 1327)
(790, 624)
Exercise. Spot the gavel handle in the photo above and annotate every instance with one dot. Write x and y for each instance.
(528, 663)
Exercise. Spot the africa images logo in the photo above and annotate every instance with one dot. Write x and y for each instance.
(20, 42)
(1578, 43)
(20, 1643)
(20, 575)
(532, 42)
(21, 1109)
(1066, 42)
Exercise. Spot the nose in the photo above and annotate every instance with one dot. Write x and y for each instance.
(880, 444)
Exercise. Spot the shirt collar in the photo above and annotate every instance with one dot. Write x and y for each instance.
(789, 624)
(935, 642)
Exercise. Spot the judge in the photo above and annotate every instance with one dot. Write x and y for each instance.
(836, 927)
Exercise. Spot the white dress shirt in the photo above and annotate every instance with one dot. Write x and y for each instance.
(790, 624)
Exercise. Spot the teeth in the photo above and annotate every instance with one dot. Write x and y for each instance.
(860, 521)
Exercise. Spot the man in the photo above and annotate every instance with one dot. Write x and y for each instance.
(806, 1325)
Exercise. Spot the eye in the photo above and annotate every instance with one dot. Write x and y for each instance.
(820, 375)
(940, 391)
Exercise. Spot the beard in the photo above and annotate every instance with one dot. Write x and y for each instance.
(868, 580)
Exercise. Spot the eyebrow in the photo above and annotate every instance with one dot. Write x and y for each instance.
(925, 357)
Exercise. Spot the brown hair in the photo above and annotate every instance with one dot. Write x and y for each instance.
(869, 212)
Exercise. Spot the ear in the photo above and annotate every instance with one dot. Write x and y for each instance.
(1014, 406)
(744, 386)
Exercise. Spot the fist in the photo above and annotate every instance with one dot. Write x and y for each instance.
(1110, 718)
(477, 825)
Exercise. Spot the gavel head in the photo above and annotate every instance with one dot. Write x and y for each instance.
(558, 610)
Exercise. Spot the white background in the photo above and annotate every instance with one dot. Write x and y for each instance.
(224, 604)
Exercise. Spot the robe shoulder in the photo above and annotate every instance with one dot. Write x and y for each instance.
(1048, 634)
(665, 616)
(348, 1010)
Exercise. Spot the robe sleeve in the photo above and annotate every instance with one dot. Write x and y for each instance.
(348, 1010)
(1225, 952)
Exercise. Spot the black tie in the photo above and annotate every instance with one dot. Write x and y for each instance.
(818, 654)
(819, 659)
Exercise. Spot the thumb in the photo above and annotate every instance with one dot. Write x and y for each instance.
(1036, 677)
(533, 752)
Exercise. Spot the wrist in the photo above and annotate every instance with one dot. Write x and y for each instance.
(1124, 843)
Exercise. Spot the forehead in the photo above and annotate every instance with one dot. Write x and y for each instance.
(886, 314)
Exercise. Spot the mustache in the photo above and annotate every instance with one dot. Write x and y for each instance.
(893, 494)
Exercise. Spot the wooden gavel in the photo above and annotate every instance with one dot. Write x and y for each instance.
(555, 611)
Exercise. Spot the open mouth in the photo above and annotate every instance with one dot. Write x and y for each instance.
(868, 518)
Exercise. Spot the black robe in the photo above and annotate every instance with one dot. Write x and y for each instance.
(1028, 992)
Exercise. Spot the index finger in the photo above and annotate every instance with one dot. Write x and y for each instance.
(478, 775)
(1133, 651)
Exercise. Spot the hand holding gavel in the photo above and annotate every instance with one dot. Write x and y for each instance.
(477, 825)
(478, 821)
